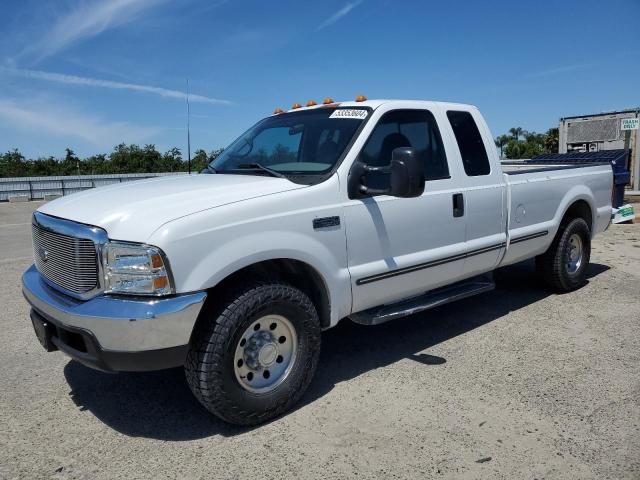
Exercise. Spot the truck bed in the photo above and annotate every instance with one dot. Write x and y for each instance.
(514, 167)
(538, 194)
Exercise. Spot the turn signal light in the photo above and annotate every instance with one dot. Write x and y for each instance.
(160, 282)
(311, 103)
(361, 98)
(156, 261)
(277, 111)
(296, 105)
(327, 101)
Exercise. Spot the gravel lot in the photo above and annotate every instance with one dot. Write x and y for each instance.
(516, 383)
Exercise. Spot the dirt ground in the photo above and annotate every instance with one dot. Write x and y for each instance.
(515, 383)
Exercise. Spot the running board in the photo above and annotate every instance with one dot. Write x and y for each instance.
(431, 299)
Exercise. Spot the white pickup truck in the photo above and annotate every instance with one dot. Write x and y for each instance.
(368, 210)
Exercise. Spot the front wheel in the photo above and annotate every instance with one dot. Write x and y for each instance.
(254, 354)
(564, 265)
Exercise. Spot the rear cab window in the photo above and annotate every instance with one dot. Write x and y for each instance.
(470, 143)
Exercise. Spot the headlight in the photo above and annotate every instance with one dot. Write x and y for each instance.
(136, 269)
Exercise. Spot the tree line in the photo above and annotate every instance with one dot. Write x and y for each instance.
(519, 143)
(123, 159)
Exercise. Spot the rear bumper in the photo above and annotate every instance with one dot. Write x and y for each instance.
(115, 333)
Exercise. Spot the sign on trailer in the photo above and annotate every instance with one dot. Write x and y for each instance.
(629, 123)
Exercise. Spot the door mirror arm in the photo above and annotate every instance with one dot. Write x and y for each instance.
(406, 176)
(384, 169)
(360, 169)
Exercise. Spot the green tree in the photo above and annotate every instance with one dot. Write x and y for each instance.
(120, 159)
(43, 167)
(97, 164)
(172, 161)
(199, 161)
(13, 164)
(151, 159)
(552, 141)
(515, 132)
(71, 163)
(501, 141)
(522, 143)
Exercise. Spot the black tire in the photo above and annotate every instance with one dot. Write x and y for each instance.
(210, 361)
(553, 264)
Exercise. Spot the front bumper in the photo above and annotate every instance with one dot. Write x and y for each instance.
(115, 333)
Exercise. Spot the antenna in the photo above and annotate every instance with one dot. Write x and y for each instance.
(188, 129)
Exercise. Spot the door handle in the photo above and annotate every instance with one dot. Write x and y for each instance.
(458, 205)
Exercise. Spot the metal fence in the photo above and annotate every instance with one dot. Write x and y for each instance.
(36, 188)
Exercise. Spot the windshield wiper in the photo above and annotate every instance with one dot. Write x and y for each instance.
(259, 166)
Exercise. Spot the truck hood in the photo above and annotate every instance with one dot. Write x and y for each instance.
(134, 210)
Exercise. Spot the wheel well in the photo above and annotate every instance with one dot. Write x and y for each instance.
(579, 209)
(294, 272)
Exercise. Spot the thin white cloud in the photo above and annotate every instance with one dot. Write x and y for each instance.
(60, 121)
(89, 19)
(99, 83)
(559, 70)
(339, 14)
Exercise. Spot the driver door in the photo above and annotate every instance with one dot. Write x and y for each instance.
(402, 247)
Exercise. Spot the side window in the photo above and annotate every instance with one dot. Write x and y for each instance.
(472, 151)
(405, 128)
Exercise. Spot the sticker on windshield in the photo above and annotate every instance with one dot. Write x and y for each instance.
(350, 113)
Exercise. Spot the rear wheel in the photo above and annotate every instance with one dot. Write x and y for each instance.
(254, 354)
(564, 265)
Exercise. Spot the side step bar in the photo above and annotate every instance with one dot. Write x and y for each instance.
(430, 299)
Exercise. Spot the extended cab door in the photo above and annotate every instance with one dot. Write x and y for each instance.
(482, 188)
(401, 247)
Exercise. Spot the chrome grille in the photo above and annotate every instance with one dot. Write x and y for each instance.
(69, 262)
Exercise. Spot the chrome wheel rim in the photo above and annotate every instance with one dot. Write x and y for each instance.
(574, 255)
(265, 354)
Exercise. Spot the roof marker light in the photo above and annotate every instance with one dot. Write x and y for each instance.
(277, 111)
(311, 103)
(327, 101)
(296, 105)
(361, 98)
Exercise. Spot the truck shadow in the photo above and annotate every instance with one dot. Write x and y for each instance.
(160, 405)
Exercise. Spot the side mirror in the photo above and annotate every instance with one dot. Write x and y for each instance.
(407, 173)
(406, 176)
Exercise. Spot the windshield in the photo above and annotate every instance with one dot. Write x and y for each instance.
(297, 143)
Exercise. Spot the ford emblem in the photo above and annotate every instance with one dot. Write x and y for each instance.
(44, 254)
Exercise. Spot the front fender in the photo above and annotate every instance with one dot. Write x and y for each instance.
(205, 248)
(247, 250)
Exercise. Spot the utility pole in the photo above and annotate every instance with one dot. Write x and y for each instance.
(188, 130)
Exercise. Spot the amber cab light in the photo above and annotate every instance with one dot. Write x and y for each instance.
(361, 98)
(296, 105)
(311, 103)
(327, 101)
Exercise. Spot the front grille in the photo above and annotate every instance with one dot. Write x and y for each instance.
(69, 262)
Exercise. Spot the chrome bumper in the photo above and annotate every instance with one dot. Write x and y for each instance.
(117, 323)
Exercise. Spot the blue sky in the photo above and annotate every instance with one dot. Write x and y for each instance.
(90, 74)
